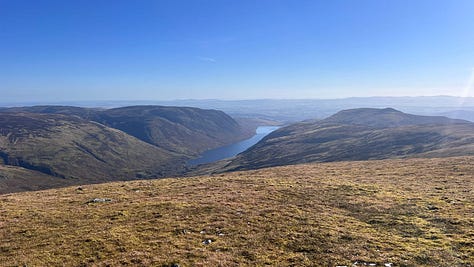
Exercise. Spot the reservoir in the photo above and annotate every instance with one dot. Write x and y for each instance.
(231, 150)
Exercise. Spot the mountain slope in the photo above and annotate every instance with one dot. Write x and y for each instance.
(460, 114)
(360, 134)
(17, 179)
(184, 130)
(411, 212)
(384, 118)
(76, 149)
(85, 113)
(179, 129)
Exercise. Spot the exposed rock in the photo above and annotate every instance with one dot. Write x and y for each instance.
(363, 263)
(99, 200)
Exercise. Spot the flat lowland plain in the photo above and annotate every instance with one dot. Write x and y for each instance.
(411, 212)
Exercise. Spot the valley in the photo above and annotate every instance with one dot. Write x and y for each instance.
(237, 133)
(364, 186)
(232, 150)
(73, 145)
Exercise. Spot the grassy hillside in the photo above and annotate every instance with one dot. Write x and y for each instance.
(85, 113)
(70, 148)
(17, 179)
(183, 130)
(413, 212)
(359, 134)
(179, 129)
(93, 145)
(384, 118)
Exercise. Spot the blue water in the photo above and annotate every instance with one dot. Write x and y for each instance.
(231, 150)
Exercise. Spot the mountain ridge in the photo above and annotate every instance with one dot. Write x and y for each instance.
(186, 130)
(386, 117)
(377, 134)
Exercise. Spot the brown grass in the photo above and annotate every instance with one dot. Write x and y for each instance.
(416, 212)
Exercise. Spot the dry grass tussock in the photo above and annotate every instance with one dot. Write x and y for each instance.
(414, 212)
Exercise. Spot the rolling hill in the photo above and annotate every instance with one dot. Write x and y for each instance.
(69, 148)
(55, 146)
(18, 179)
(410, 212)
(85, 113)
(183, 130)
(386, 118)
(359, 134)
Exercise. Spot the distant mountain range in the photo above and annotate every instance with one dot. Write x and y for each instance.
(294, 110)
(359, 134)
(71, 145)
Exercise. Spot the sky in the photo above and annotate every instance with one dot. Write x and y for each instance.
(227, 49)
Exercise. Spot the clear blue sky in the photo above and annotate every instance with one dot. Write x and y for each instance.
(234, 49)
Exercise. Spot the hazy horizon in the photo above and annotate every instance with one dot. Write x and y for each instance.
(55, 51)
(57, 102)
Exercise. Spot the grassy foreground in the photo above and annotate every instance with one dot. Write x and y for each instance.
(415, 212)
